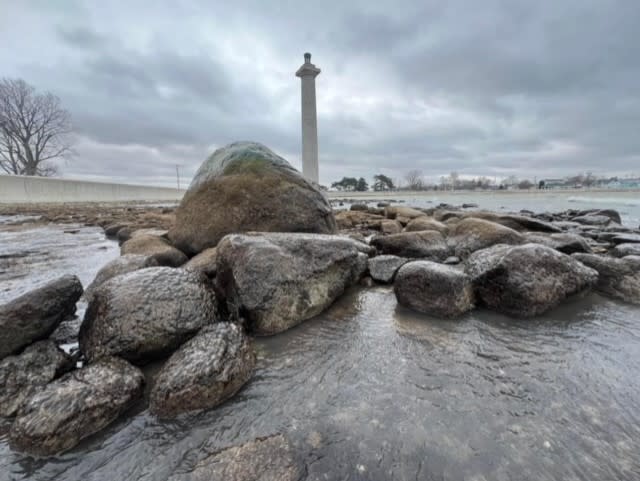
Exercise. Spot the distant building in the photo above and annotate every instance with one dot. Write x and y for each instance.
(630, 183)
(553, 183)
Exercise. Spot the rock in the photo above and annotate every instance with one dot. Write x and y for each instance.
(383, 268)
(426, 223)
(629, 249)
(518, 223)
(451, 260)
(263, 459)
(277, 280)
(626, 239)
(124, 234)
(612, 214)
(205, 262)
(471, 234)
(246, 187)
(428, 244)
(390, 226)
(150, 231)
(120, 265)
(75, 406)
(565, 242)
(526, 280)
(36, 314)
(146, 314)
(347, 219)
(361, 207)
(23, 375)
(434, 289)
(618, 278)
(590, 219)
(204, 372)
(111, 230)
(393, 212)
(156, 247)
(383, 204)
(469, 205)
(566, 224)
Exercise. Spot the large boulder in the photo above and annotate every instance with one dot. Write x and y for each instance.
(118, 266)
(155, 247)
(276, 280)
(23, 375)
(146, 314)
(518, 222)
(383, 268)
(204, 372)
(75, 406)
(434, 289)
(471, 234)
(618, 278)
(36, 314)
(262, 459)
(398, 211)
(526, 280)
(246, 187)
(428, 244)
(592, 219)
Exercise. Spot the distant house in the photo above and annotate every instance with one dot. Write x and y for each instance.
(629, 183)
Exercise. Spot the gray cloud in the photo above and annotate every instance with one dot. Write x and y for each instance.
(531, 88)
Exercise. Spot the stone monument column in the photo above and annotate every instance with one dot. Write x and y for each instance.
(308, 73)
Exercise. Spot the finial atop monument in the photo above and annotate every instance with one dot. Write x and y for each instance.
(307, 57)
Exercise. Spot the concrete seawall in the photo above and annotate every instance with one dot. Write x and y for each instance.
(16, 189)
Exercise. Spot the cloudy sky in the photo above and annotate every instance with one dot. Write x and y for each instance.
(493, 87)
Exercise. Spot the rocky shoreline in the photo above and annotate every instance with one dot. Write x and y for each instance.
(192, 297)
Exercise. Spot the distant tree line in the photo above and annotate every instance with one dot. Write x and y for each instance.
(414, 180)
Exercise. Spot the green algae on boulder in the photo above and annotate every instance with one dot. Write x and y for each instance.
(246, 187)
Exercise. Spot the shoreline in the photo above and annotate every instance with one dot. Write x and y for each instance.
(427, 193)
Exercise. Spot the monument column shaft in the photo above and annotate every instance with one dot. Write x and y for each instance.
(309, 129)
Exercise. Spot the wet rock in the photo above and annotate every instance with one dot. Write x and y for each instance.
(75, 406)
(277, 280)
(393, 212)
(348, 219)
(422, 244)
(263, 459)
(124, 234)
(246, 187)
(146, 314)
(626, 239)
(111, 230)
(383, 204)
(592, 219)
(434, 289)
(36, 314)
(362, 207)
(426, 223)
(471, 234)
(618, 278)
(566, 243)
(622, 250)
(23, 375)
(390, 226)
(469, 205)
(156, 247)
(205, 262)
(206, 371)
(383, 268)
(526, 280)
(121, 265)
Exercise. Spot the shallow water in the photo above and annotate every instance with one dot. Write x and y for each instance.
(369, 390)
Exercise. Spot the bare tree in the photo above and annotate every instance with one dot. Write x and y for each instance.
(34, 129)
(414, 179)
